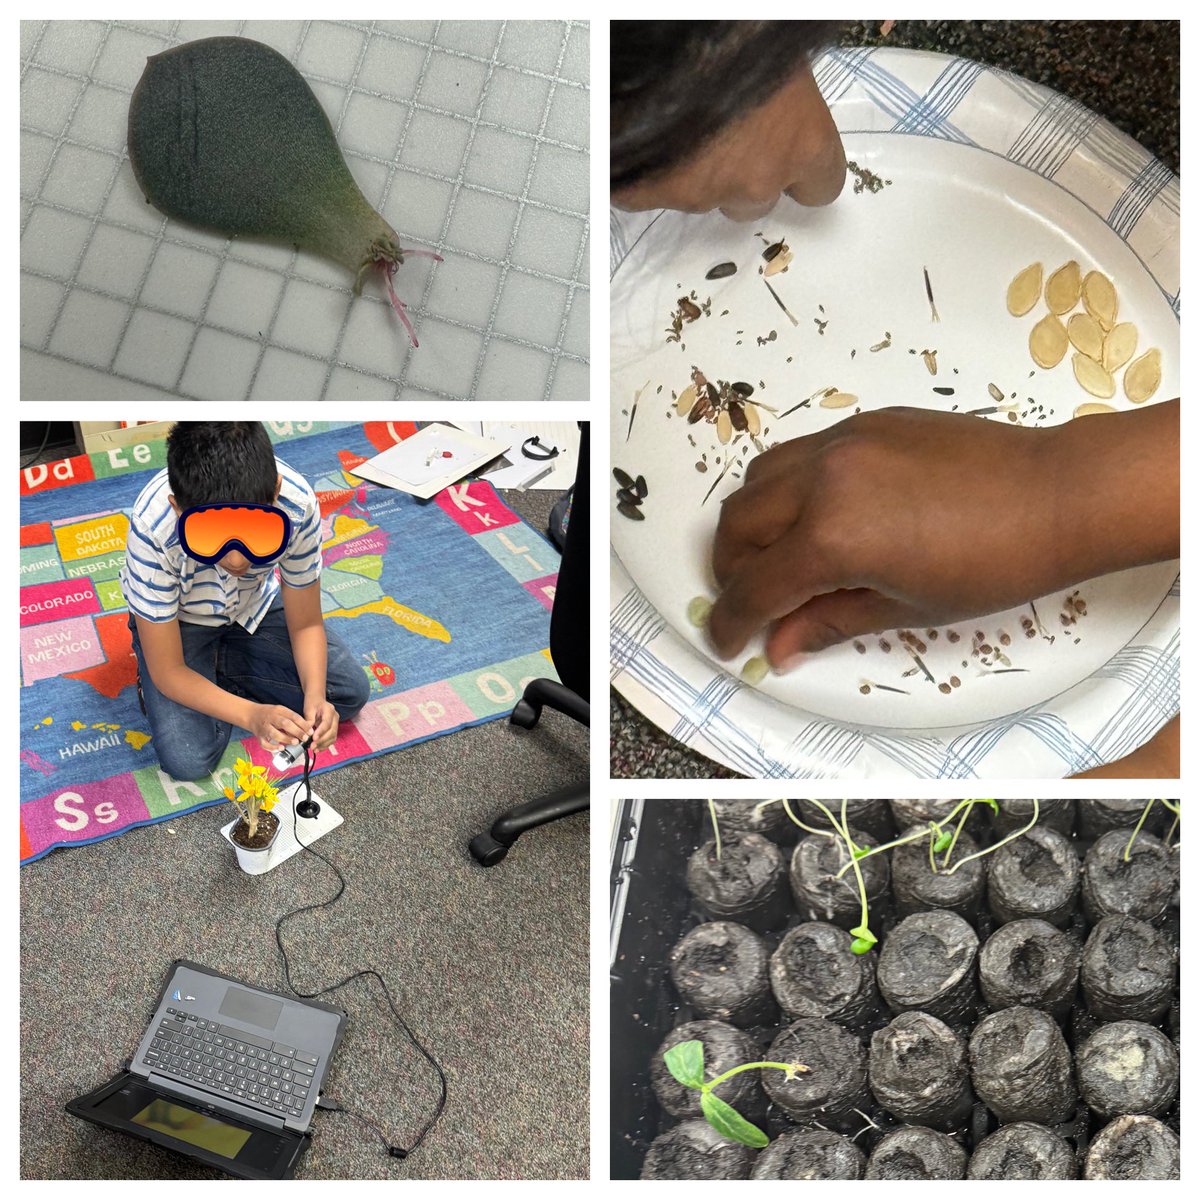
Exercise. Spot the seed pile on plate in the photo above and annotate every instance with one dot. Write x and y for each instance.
(688, 308)
(630, 494)
(1102, 345)
(726, 405)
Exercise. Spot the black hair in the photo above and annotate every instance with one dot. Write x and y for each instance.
(676, 84)
(210, 462)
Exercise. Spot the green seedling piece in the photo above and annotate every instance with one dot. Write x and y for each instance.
(225, 133)
(686, 1063)
(942, 840)
(712, 812)
(1170, 805)
(864, 939)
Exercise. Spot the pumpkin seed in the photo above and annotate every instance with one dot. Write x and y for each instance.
(721, 270)
(1143, 376)
(631, 511)
(1093, 378)
(1100, 298)
(753, 421)
(1062, 288)
(1119, 344)
(754, 670)
(995, 393)
(1086, 335)
(686, 399)
(1048, 341)
(623, 477)
(780, 262)
(724, 426)
(698, 609)
(1091, 408)
(838, 400)
(1025, 289)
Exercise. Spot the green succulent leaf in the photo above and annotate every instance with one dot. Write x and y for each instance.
(686, 1062)
(730, 1123)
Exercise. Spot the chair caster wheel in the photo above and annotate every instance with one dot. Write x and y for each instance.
(486, 851)
(525, 715)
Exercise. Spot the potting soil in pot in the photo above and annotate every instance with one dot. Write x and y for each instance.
(1025, 1027)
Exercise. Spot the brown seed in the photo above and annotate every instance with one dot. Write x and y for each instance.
(772, 250)
(713, 393)
(623, 477)
(1093, 378)
(1086, 335)
(1062, 288)
(742, 388)
(1143, 376)
(721, 270)
(1048, 341)
(885, 645)
(865, 688)
(701, 467)
(995, 393)
(860, 647)
(1100, 298)
(838, 400)
(1025, 289)
(944, 688)
(689, 311)
(737, 415)
(955, 681)
(930, 357)
(952, 636)
(699, 409)
(631, 511)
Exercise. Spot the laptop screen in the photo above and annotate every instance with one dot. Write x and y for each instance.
(195, 1128)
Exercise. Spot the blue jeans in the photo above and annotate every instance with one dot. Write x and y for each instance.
(258, 666)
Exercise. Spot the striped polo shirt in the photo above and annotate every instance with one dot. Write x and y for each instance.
(162, 583)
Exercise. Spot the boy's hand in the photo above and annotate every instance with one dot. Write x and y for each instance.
(276, 726)
(323, 718)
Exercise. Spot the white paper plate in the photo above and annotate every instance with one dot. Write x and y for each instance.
(972, 207)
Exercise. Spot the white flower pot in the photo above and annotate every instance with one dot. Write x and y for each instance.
(253, 862)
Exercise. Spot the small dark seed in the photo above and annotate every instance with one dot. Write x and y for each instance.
(639, 486)
(772, 250)
(722, 270)
(944, 688)
(742, 388)
(944, 391)
(626, 496)
(952, 636)
(631, 511)
(623, 477)
(860, 647)
(866, 687)
(955, 681)
(701, 467)
(737, 415)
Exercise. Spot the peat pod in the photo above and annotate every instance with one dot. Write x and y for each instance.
(815, 973)
(871, 816)
(917, 1153)
(918, 1072)
(746, 882)
(720, 969)
(920, 812)
(835, 1083)
(1034, 876)
(1097, 817)
(810, 1154)
(1133, 1148)
(744, 816)
(725, 1047)
(1030, 964)
(695, 1150)
(1022, 1151)
(1128, 971)
(928, 964)
(1016, 814)
(918, 887)
(1021, 1067)
(1142, 887)
(820, 895)
(1128, 1068)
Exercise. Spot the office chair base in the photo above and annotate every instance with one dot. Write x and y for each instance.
(486, 851)
(525, 715)
(490, 848)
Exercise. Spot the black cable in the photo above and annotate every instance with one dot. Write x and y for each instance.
(38, 452)
(393, 1151)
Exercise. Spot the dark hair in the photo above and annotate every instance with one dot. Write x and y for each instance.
(213, 461)
(676, 84)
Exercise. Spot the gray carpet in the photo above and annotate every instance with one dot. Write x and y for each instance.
(490, 968)
(1127, 71)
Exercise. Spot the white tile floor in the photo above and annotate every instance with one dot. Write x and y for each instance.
(470, 137)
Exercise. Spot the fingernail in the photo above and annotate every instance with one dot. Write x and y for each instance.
(790, 663)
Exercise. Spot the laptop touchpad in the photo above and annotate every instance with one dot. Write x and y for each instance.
(240, 1005)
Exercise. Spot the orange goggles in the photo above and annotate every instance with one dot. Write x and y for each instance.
(208, 532)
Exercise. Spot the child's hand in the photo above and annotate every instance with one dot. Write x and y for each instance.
(276, 726)
(323, 718)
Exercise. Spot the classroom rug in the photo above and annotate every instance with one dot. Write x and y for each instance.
(445, 602)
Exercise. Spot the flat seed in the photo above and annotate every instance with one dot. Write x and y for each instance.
(1119, 344)
(754, 670)
(1062, 288)
(780, 262)
(721, 270)
(1143, 376)
(1100, 298)
(1091, 408)
(623, 477)
(631, 511)
(686, 399)
(1093, 378)
(1048, 341)
(742, 388)
(699, 409)
(930, 357)
(1025, 289)
(995, 393)
(1086, 335)
(753, 421)
(772, 251)
(737, 415)
(838, 400)
(701, 467)
(628, 496)
(698, 609)
(639, 486)
(724, 426)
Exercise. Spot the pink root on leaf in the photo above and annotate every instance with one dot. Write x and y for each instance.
(389, 270)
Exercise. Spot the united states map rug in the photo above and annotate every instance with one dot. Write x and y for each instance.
(446, 604)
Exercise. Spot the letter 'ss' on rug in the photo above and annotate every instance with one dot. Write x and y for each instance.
(446, 603)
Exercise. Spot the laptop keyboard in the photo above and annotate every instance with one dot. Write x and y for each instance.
(242, 1065)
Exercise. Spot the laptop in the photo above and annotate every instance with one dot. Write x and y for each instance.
(225, 1073)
